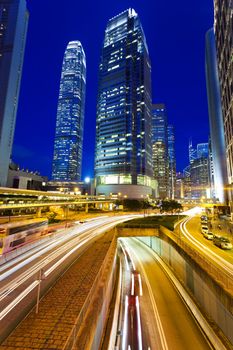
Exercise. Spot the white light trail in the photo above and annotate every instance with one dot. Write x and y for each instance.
(20, 297)
(139, 324)
(125, 325)
(73, 245)
(132, 287)
(162, 337)
(207, 251)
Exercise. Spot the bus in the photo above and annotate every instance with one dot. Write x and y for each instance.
(16, 234)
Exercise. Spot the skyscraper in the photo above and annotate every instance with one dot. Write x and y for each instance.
(13, 31)
(203, 150)
(123, 156)
(223, 24)
(160, 149)
(197, 174)
(172, 161)
(67, 159)
(218, 146)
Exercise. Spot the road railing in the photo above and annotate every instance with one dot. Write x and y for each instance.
(100, 293)
(220, 275)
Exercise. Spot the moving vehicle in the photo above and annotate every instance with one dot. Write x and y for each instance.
(16, 234)
(208, 235)
(204, 229)
(204, 219)
(222, 242)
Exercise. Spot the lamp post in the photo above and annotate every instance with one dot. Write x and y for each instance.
(40, 278)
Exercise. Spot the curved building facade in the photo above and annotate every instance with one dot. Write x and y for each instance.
(215, 118)
(67, 159)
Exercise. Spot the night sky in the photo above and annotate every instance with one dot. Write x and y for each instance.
(175, 33)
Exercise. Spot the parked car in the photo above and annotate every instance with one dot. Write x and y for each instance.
(204, 229)
(204, 218)
(208, 235)
(222, 242)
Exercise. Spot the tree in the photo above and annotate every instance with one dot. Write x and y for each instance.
(132, 204)
(170, 206)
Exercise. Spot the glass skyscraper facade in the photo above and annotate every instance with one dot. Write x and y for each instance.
(123, 153)
(160, 149)
(67, 159)
(13, 31)
(197, 175)
(223, 24)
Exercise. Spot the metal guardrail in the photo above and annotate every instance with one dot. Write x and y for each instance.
(220, 276)
(98, 282)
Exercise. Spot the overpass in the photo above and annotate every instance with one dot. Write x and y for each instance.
(11, 199)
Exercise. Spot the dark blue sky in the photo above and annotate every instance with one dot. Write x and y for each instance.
(175, 33)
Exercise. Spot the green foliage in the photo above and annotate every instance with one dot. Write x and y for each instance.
(153, 221)
(132, 204)
(52, 217)
(170, 206)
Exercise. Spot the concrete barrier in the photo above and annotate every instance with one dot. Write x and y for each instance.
(89, 327)
(215, 301)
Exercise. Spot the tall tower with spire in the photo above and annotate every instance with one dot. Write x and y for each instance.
(67, 158)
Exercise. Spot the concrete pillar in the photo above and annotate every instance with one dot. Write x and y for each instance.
(38, 212)
(106, 206)
(66, 212)
(86, 208)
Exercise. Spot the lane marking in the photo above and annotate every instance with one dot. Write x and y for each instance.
(154, 306)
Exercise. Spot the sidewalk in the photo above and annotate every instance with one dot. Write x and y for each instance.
(61, 305)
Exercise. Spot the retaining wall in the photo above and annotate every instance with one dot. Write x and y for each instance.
(215, 301)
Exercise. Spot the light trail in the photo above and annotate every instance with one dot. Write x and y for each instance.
(139, 324)
(190, 304)
(17, 300)
(132, 288)
(72, 246)
(125, 325)
(162, 337)
(228, 267)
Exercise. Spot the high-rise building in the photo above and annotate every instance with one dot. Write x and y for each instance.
(172, 161)
(218, 147)
(203, 150)
(192, 152)
(223, 24)
(123, 155)
(160, 149)
(199, 176)
(67, 159)
(13, 31)
(199, 172)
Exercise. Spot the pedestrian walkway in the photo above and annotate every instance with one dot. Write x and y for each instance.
(50, 328)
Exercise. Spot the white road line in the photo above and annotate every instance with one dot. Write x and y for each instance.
(191, 306)
(163, 340)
